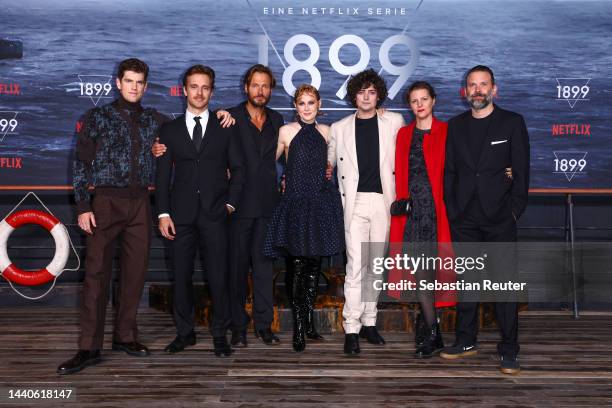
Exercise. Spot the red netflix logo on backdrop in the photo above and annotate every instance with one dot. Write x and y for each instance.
(10, 162)
(10, 89)
(176, 90)
(578, 129)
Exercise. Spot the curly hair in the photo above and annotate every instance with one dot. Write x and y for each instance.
(363, 80)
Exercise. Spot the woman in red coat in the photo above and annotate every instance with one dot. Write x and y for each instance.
(419, 218)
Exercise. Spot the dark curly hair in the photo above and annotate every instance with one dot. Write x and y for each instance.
(363, 80)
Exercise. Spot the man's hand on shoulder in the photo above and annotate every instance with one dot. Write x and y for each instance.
(225, 118)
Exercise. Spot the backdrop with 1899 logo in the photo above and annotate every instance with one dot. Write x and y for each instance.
(551, 60)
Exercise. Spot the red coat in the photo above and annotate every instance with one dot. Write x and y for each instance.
(434, 150)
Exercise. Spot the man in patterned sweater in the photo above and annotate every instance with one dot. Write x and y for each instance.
(112, 155)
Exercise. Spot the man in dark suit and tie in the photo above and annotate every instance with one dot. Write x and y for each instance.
(486, 181)
(195, 205)
(258, 127)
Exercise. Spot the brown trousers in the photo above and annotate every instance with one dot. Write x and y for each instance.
(126, 221)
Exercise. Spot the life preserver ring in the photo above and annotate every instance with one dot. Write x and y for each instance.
(62, 247)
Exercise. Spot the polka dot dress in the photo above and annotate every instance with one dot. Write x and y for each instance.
(308, 220)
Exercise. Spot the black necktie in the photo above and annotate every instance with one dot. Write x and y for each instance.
(197, 133)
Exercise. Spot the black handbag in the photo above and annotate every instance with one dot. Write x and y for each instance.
(401, 207)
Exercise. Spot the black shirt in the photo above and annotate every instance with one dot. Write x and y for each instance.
(477, 129)
(368, 155)
(266, 132)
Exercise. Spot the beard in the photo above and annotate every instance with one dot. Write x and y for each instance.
(258, 103)
(480, 104)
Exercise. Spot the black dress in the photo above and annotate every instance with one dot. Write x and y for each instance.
(421, 225)
(308, 220)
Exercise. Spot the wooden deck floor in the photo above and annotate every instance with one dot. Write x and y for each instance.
(566, 363)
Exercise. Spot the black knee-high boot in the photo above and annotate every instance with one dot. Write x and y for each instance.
(432, 344)
(420, 330)
(294, 278)
(311, 284)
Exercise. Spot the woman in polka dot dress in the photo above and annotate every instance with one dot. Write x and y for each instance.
(307, 223)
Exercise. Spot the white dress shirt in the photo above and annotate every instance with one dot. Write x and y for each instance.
(190, 122)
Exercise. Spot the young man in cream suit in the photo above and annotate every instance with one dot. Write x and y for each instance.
(362, 146)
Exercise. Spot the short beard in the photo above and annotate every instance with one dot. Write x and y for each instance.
(478, 105)
(253, 102)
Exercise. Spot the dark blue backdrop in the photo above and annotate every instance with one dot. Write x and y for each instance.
(551, 60)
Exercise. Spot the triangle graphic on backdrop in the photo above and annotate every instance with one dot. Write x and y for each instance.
(568, 155)
(96, 99)
(8, 115)
(570, 82)
(176, 115)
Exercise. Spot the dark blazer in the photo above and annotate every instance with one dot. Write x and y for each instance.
(260, 193)
(506, 145)
(201, 179)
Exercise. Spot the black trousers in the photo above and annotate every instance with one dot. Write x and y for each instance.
(246, 242)
(211, 239)
(473, 226)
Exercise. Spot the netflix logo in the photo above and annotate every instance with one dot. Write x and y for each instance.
(10, 162)
(10, 89)
(569, 129)
(176, 90)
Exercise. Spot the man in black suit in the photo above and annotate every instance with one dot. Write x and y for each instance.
(486, 181)
(194, 207)
(258, 127)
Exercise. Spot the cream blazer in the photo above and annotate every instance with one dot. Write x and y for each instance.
(342, 153)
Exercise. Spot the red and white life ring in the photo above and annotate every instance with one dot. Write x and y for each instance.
(62, 247)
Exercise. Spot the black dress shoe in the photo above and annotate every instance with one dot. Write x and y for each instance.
(371, 334)
(239, 338)
(179, 344)
(266, 336)
(82, 359)
(132, 348)
(351, 344)
(222, 347)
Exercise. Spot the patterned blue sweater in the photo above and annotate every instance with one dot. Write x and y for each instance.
(113, 149)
